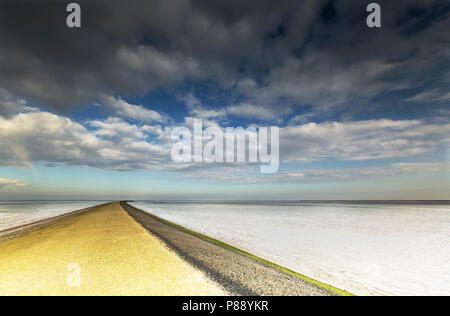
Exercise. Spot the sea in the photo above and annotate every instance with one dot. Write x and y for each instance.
(18, 213)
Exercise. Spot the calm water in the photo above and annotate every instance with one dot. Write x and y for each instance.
(365, 248)
(17, 213)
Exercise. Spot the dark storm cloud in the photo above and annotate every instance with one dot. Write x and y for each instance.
(269, 52)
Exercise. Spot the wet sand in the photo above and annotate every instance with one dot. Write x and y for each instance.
(102, 251)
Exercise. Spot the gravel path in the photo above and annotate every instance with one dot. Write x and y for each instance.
(238, 274)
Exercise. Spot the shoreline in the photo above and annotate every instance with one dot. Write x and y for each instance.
(240, 272)
(22, 230)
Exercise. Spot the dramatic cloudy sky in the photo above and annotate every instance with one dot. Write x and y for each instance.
(88, 113)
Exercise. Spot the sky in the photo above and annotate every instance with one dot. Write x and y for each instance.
(88, 113)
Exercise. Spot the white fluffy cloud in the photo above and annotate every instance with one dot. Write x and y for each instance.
(117, 128)
(130, 111)
(44, 137)
(115, 144)
(198, 110)
(153, 130)
(242, 110)
(361, 140)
